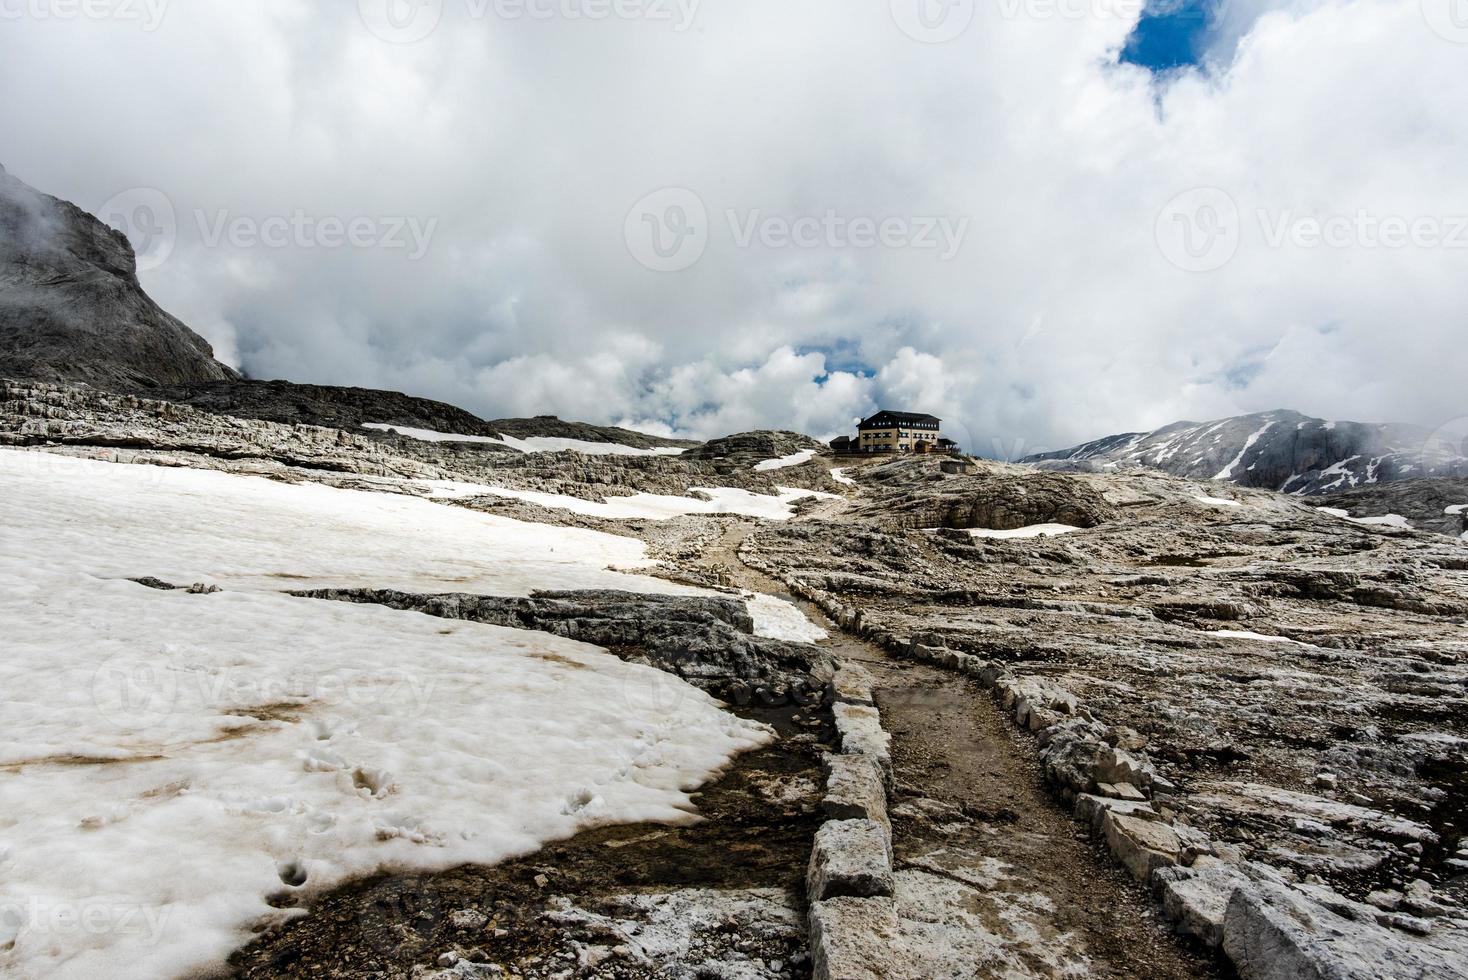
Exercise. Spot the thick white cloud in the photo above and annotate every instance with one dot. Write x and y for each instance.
(528, 141)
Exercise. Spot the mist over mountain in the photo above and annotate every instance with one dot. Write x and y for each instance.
(1281, 450)
(71, 306)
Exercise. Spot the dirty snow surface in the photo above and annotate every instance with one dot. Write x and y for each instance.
(650, 506)
(171, 761)
(535, 444)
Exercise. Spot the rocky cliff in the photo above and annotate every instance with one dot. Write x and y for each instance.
(71, 306)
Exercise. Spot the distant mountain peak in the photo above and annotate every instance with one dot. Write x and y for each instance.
(1281, 450)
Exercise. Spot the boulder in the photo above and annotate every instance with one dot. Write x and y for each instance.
(1142, 845)
(1275, 932)
(1196, 898)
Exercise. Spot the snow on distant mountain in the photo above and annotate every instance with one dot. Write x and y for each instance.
(1280, 450)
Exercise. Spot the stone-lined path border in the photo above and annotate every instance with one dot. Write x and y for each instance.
(850, 884)
(1270, 927)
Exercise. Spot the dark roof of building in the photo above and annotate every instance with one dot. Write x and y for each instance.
(885, 416)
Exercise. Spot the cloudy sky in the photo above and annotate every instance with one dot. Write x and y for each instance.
(1045, 220)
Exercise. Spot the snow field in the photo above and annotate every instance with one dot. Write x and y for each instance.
(649, 506)
(171, 760)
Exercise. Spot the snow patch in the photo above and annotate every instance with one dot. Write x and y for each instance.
(246, 532)
(1456, 509)
(1387, 520)
(839, 475)
(649, 506)
(535, 444)
(794, 459)
(1217, 501)
(778, 619)
(1260, 637)
(1033, 531)
(1228, 470)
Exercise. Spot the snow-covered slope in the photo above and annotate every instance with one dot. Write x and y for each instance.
(170, 761)
(1277, 450)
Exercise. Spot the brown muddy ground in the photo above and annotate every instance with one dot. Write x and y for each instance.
(731, 886)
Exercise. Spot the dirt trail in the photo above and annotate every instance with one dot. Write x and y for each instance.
(995, 879)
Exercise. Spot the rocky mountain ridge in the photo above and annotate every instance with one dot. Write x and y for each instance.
(71, 306)
(1280, 450)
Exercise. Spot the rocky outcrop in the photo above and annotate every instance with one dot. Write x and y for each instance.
(1437, 505)
(127, 428)
(71, 306)
(1280, 450)
(750, 448)
(1228, 689)
(707, 641)
(918, 493)
(350, 408)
